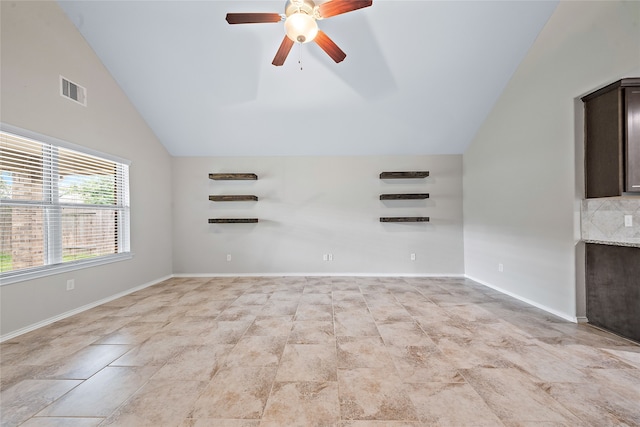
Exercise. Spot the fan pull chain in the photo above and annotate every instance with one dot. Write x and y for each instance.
(300, 55)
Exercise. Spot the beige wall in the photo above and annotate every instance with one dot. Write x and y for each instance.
(522, 172)
(310, 206)
(38, 45)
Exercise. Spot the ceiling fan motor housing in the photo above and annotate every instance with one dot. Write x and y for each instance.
(304, 6)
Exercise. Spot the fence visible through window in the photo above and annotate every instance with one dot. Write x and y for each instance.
(58, 205)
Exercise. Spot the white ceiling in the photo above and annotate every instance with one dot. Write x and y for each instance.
(420, 77)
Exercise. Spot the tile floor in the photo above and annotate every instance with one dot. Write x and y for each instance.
(346, 352)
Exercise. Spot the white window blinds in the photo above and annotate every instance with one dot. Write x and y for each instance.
(59, 206)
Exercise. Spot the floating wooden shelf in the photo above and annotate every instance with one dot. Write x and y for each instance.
(405, 219)
(232, 220)
(404, 196)
(234, 198)
(233, 176)
(404, 175)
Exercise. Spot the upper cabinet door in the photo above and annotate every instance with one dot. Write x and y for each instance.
(612, 139)
(632, 154)
(604, 130)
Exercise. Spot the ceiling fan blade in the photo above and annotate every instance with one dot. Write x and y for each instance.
(283, 51)
(337, 7)
(252, 18)
(330, 47)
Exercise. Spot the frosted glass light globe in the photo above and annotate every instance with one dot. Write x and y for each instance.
(301, 27)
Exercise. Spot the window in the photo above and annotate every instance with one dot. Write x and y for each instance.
(61, 206)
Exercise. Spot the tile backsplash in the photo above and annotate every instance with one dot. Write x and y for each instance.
(603, 220)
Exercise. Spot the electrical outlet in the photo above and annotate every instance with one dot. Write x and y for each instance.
(325, 257)
(71, 284)
(228, 257)
(413, 257)
(330, 257)
(500, 267)
(628, 220)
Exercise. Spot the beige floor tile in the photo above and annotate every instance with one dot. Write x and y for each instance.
(195, 363)
(373, 394)
(381, 299)
(84, 363)
(312, 332)
(390, 313)
(226, 332)
(28, 397)
(371, 423)
(62, 422)
(512, 395)
(583, 356)
(251, 299)
(133, 333)
(468, 354)
(363, 352)
(423, 364)
(236, 313)
(317, 288)
(316, 299)
(596, 404)
(11, 375)
(217, 422)
(235, 393)
(307, 311)
(157, 350)
(157, 403)
(355, 325)
(308, 362)
(542, 365)
(344, 296)
(408, 295)
(291, 294)
(271, 326)
(448, 329)
(279, 308)
(472, 313)
(452, 405)
(189, 326)
(428, 312)
(101, 394)
(208, 308)
(403, 334)
(104, 325)
(54, 351)
(313, 404)
(194, 297)
(623, 381)
(256, 351)
(535, 424)
(386, 351)
(628, 354)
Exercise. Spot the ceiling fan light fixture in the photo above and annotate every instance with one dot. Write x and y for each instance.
(300, 27)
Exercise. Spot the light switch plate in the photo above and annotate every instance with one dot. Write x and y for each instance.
(628, 220)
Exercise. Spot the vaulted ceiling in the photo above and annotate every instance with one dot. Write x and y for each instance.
(420, 77)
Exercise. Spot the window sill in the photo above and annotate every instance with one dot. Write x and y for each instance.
(49, 270)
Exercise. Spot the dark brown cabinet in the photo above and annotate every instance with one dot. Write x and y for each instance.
(613, 288)
(612, 139)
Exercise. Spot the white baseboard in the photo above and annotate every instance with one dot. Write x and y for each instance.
(70, 313)
(565, 316)
(322, 274)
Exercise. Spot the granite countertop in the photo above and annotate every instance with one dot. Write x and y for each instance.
(604, 242)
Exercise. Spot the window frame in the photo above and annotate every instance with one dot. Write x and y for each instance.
(52, 239)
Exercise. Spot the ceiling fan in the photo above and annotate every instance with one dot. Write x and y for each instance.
(300, 24)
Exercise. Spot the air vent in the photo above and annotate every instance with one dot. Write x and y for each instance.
(73, 91)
